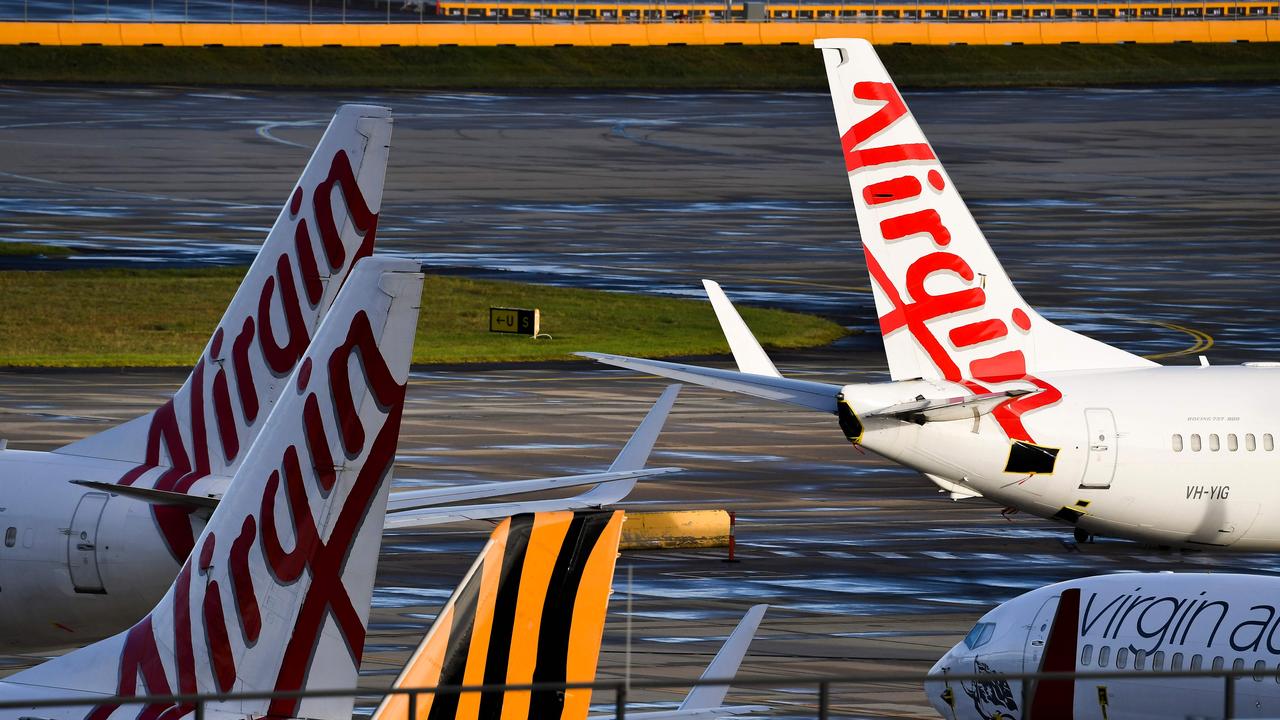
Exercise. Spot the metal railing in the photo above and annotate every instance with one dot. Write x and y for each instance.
(822, 685)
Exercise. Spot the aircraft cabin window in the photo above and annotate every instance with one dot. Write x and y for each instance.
(11, 537)
(1104, 654)
(1122, 658)
(980, 635)
(1176, 664)
(1259, 670)
(1213, 442)
(1217, 663)
(1196, 662)
(987, 632)
(1250, 443)
(1238, 665)
(1268, 443)
(1232, 445)
(1195, 442)
(1157, 661)
(1140, 660)
(1086, 655)
(1177, 442)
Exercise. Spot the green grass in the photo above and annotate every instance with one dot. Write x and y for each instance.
(723, 67)
(25, 249)
(159, 318)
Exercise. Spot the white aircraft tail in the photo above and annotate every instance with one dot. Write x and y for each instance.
(276, 596)
(328, 223)
(725, 664)
(947, 310)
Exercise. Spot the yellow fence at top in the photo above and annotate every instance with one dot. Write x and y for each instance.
(622, 33)
(621, 10)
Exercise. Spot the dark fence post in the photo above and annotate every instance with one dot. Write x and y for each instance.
(620, 701)
(1229, 699)
(199, 710)
(1027, 694)
(413, 706)
(824, 700)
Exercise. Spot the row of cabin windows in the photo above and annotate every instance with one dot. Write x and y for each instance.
(1156, 660)
(1233, 442)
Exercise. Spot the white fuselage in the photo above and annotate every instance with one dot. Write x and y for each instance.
(76, 565)
(1132, 623)
(1118, 471)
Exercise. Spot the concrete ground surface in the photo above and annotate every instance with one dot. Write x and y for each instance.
(867, 567)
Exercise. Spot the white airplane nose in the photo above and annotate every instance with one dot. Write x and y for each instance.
(936, 690)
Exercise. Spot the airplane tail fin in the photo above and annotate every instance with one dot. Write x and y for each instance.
(277, 594)
(947, 310)
(531, 609)
(326, 225)
(725, 664)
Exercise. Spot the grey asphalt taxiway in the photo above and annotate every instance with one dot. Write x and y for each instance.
(1146, 217)
(866, 566)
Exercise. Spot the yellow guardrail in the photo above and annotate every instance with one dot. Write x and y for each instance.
(640, 34)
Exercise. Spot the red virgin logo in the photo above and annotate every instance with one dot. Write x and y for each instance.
(187, 465)
(308, 462)
(911, 197)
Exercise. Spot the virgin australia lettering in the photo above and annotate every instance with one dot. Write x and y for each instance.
(94, 532)
(1138, 623)
(990, 399)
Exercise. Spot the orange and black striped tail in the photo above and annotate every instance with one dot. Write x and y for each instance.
(530, 610)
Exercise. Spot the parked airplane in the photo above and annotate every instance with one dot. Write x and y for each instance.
(277, 594)
(1138, 623)
(519, 618)
(990, 399)
(94, 532)
(76, 565)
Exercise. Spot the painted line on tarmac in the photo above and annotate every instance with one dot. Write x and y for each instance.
(1203, 340)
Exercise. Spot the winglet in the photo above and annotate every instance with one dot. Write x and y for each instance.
(635, 453)
(746, 350)
(726, 663)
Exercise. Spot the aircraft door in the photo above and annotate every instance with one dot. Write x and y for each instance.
(1101, 448)
(82, 544)
(1038, 636)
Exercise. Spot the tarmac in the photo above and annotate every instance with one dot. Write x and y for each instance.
(1146, 217)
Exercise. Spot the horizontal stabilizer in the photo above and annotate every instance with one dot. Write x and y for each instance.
(418, 499)
(746, 350)
(420, 508)
(805, 393)
(152, 496)
(954, 408)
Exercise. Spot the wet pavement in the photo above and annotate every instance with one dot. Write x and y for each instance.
(1112, 209)
(867, 567)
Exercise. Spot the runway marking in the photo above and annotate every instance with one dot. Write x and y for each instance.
(131, 193)
(1203, 340)
(264, 130)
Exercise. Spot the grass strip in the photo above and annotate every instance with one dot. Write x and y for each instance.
(26, 249)
(162, 318)
(694, 67)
